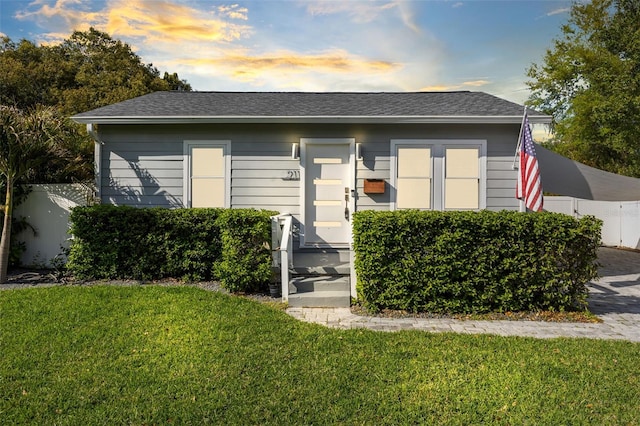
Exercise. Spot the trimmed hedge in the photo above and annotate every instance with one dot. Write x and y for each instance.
(474, 262)
(121, 242)
(245, 263)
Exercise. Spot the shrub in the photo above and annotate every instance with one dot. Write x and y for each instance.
(474, 261)
(190, 243)
(104, 237)
(112, 242)
(245, 264)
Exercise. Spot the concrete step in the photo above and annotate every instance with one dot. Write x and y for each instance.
(308, 284)
(321, 270)
(321, 262)
(320, 292)
(320, 299)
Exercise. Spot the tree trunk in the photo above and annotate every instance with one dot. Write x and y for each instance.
(6, 232)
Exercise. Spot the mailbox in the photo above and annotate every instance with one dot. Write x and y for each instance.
(374, 186)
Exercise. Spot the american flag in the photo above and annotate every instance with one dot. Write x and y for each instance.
(529, 188)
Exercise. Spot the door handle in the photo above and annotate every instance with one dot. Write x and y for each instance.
(346, 202)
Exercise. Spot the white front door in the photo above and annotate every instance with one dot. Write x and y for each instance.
(327, 168)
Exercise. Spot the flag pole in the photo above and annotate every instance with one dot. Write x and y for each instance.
(515, 156)
(521, 205)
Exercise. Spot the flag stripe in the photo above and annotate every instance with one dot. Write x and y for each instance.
(529, 186)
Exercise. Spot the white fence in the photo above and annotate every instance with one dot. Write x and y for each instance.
(47, 209)
(621, 227)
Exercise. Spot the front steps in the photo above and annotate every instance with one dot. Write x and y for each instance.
(320, 292)
(320, 279)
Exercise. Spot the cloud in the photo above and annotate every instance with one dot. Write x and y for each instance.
(460, 86)
(251, 67)
(63, 16)
(457, 5)
(438, 88)
(559, 11)
(406, 13)
(234, 11)
(146, 21)
(363, 11)
(475, 83)
(359, 11)
(164, 21)
(554, 12)
(248, 69)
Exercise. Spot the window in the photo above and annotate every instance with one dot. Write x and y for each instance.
(413, 181)
(206, 174)
(462, 178)
(438, 174)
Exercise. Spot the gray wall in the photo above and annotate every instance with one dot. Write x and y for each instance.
(142, 164)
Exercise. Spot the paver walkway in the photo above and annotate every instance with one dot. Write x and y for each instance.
(614, 297)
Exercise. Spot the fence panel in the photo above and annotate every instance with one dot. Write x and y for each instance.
(564, 205)
(630, 224)
(621, 219)
(609, 212)
(47, 209)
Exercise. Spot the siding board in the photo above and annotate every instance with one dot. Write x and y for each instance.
(143, 156)
(257, 174)
(500, 164)
(158, 181)
(264, 183)
(501, 184)
(501, 193)
(143, 200)
(143, 190)
(263, 164)
(169, 147)
(253, 191)
(146, 164)
(157, 174)
(265, 201)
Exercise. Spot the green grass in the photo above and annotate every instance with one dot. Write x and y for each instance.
(182, 355)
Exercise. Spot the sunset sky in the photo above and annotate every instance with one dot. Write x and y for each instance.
(301, 45)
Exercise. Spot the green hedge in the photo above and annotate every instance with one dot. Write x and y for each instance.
(465, 262)
(120, 242)
(245, 263)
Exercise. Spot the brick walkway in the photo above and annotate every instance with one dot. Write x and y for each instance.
(614, 297)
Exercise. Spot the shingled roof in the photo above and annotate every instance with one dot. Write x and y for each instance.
(384, 107)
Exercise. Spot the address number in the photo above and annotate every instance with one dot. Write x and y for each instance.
(292, 175)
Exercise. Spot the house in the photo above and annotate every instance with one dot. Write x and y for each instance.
(316, 156)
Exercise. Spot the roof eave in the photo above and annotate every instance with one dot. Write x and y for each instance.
(437, 119)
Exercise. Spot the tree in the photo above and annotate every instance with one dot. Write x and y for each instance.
(107, 71)
(31, 74)
(86, 71)
(71, 158)
(590, 84)
(26, 139)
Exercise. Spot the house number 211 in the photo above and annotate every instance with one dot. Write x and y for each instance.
(292, 175)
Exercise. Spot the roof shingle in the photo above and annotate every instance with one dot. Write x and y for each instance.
(307, 104)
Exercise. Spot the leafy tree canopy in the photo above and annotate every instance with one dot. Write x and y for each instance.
(86, 71)
(590, 83)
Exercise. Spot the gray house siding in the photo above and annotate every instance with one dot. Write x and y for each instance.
(259, 174)
(142, 165)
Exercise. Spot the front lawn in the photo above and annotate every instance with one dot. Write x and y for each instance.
(182, 355)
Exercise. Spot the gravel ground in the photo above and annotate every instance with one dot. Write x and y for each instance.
(29, 278)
